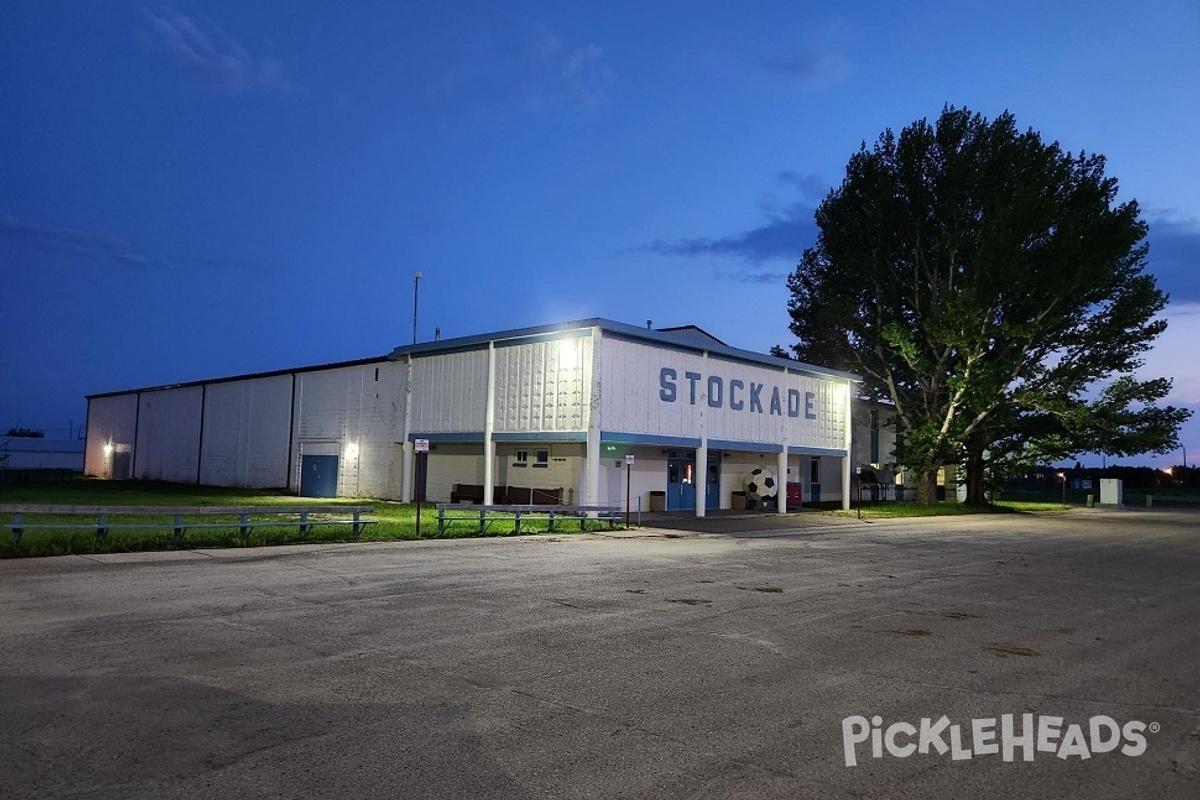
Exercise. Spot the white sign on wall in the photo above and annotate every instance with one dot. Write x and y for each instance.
(421, 445)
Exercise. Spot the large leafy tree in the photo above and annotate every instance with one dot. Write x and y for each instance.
(986, 283)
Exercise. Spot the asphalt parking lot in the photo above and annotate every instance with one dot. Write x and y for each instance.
(733, 662)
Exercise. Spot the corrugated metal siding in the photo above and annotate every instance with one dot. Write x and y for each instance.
(450, 392)
(246, 433)
(363, 415)
(631, 401)
(112, 420)
(540, 386)
(168, 437)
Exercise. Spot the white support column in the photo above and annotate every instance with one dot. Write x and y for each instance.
(591, 468)
(408, 489)
(408, 492)
(489, 427)
(781, 479)
(700, 477)
(846, 470)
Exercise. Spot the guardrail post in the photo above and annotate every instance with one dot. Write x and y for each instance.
(517, 522)
(244, 528)
(102, 527)
(18, 528)
(178, 531)
(357, 525)
(304, 523)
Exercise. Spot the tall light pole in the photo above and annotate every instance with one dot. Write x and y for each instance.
(416, 286)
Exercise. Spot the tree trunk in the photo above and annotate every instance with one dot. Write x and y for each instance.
(927, 485)
(976, 470)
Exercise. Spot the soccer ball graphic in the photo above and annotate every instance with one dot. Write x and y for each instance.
(760, 485)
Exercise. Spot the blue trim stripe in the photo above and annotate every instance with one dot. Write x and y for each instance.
(542, 436)
(617, 437)
(612, 437)
(769, 447)
(584, 327)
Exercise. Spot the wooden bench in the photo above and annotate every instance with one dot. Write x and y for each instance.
(506, 495)
(466, 493)
(481, 517)
(304, 518)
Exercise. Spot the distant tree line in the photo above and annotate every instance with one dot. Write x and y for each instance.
(1132, 477)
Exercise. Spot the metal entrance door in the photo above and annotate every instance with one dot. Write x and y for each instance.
(681, 481)
(318, 476)
(121, 466)
(712, 485)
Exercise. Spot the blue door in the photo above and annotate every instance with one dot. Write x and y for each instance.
(681, 481)
(712, 485)
(318, 476)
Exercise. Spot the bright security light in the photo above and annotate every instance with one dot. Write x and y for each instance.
(351, 449)
(108, 448)
(568, 354)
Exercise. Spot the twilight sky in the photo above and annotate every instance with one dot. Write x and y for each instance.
(204, 189)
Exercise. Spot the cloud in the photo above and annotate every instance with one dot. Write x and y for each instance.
(531, 68)
(1173, 354)
(1175, 256)
(116, 252)
(812, 186)
(562, 73)
(749, 276)
(214, 58)
(782, 238)
(815, 70)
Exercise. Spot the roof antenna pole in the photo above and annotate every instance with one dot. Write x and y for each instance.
(416, 286)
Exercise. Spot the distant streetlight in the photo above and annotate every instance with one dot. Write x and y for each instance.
(416, 286)
(1062, 476)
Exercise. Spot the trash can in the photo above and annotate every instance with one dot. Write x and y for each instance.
(795, 495)
(738, 503)
(658, 501)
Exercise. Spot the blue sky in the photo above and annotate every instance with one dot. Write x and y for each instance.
(201, 189)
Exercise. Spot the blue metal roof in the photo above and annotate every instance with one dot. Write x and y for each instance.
(678, 339)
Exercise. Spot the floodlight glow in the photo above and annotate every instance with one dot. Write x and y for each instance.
(568, 354)
(351, 449)
(108, 448)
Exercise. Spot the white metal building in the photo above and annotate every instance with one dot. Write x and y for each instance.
(558, 407)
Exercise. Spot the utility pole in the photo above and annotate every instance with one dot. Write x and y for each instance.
(416, 287)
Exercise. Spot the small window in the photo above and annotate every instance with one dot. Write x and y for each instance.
(377, 373)
(543, 459)
(814, 470)
(521, 458)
